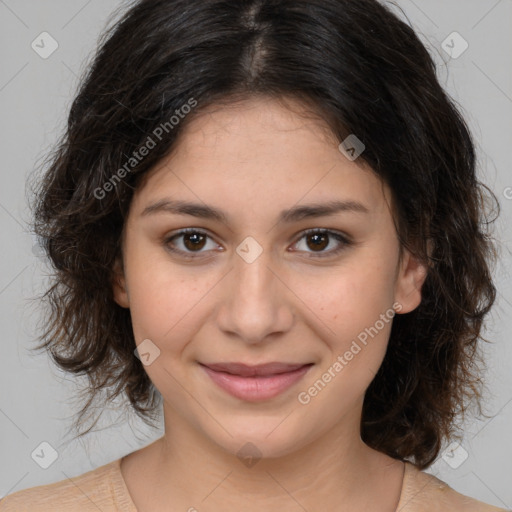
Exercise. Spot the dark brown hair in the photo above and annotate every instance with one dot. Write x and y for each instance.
(364, 71)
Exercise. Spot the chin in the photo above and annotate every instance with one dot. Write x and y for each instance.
(271, 439)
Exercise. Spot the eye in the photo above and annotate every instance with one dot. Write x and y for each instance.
(193, 241)
(320, 239)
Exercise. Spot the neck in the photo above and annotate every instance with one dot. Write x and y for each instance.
(333, 472)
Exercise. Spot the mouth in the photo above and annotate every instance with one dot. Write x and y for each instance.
(255, 383)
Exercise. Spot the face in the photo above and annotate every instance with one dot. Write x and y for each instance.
(265, 273)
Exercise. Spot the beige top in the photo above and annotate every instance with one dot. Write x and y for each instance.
(105, 489)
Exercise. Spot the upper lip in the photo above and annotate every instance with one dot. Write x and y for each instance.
(245, 370)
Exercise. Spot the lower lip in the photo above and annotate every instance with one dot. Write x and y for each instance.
(255, 389)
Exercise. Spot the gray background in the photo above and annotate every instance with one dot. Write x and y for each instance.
(35, 94)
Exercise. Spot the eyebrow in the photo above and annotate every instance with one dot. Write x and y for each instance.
(294, 214)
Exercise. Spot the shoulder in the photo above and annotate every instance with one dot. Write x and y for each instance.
(91, 491)
(423, 492)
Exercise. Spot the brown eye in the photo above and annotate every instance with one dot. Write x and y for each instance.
(317, 240)
(194, 241)
(189, 241)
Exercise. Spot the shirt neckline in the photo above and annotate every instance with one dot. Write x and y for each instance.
(122, 494)
(123, 497)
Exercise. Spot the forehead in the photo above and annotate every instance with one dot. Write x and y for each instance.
(261, 152)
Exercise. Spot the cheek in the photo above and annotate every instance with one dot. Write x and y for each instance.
(356, 307)
(169, 306)
(163, 300)
(348, 300)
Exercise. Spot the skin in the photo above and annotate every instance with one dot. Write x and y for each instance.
(254, 159)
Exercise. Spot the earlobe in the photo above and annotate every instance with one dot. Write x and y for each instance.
(409, 283)
(119, 285)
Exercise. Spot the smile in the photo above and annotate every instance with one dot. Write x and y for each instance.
(255, 383)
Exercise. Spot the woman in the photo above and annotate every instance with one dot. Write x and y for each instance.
(259, 218)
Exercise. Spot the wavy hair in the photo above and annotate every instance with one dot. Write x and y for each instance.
(363, 71)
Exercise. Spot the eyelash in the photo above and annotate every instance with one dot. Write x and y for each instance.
(342, 239)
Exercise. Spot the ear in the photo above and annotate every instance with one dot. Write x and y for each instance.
(119, 284)
(411, 276)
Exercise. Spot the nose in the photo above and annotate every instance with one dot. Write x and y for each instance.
(255, 304)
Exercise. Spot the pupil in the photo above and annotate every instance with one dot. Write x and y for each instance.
(194, 241)
(317, 236)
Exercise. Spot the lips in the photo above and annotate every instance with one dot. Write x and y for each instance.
(244, 370)
(255, 383)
